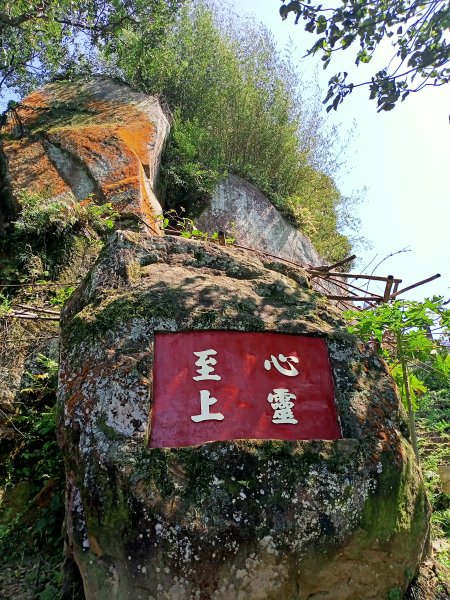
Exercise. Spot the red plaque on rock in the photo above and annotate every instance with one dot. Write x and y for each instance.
(217, 385)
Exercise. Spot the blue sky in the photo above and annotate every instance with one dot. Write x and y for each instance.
(401, 157)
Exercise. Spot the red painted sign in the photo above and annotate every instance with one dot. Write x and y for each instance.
(223, 385)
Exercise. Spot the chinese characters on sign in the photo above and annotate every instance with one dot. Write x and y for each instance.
(213, 385)
(206, 371)
(280, 399)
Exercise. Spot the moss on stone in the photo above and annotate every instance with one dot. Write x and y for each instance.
(398, 504)
(215, 507)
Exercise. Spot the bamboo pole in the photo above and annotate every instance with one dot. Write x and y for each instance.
(387, 290)
(414, 285)
(37, 309)
(29, 317)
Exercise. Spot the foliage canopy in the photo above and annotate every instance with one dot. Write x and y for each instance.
(43, 38)
(417, 29)
(239, 106)
(413, 322)
(238, 103)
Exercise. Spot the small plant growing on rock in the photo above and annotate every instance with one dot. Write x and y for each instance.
(174, 222)
(62, 295)
(5, 305)
(43, 217)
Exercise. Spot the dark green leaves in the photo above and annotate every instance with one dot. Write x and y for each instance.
(417, 31)
(411, 324)
(40, 40)
(321, 24)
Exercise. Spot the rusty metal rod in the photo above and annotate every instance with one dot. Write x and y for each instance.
(144, 222)
(337, 264)
(349, 285)
(354, 298)
(46, 284)
(270, 256)
(341, 299)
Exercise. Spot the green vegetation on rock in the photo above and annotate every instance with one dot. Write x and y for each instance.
(420, 364)
(238, 106)
(42, 40)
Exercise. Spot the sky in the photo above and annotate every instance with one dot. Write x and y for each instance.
(401, 157)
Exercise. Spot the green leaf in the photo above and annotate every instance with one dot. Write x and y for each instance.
(321, 24)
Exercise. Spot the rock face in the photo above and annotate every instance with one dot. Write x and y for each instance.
(244, 519)
(98, 139)
(239, 208)
(240, 519)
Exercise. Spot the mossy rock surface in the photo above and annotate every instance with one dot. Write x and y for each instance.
(244, 519)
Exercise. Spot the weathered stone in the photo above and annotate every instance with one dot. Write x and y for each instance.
(98, 138)
(244, 520)
(241, 210)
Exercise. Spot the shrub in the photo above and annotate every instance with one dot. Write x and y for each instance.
(48, 217)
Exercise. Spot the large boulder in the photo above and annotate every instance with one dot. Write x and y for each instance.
(343, 519)
(242, 210)
(98, 139)
(95, 141)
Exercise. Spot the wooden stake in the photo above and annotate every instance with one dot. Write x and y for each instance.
(315, 273)
(387, 290)
(414, 285)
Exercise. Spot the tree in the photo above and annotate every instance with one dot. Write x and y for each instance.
(403, 334)
(239, 106)
(418, 30)
(40, 39)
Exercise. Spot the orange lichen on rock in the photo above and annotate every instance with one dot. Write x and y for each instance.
(147, 206)
(108, 160)
(96, 139)
(30, 169)
(97, 147)
(137, 135)
(32, 108)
